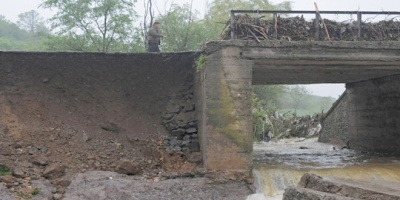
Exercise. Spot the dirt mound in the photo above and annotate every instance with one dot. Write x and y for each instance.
(87, 111)
(298, 29)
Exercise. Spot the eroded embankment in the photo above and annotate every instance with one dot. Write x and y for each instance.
(77, 112)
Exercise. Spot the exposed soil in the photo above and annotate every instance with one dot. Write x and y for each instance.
(87, 112)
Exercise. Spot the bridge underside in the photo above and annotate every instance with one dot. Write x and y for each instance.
(232, 67)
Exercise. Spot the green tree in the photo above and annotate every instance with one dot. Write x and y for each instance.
(91, 24)
(32, 22)
(270, 96)
(219, 12)
(12, 31)
(266, 100)
(16, 39)
(183, 29)
(297, 94)
(326, 103)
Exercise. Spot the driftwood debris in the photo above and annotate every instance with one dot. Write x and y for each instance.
(247, 27)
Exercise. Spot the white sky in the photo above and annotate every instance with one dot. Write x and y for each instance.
(11, 8)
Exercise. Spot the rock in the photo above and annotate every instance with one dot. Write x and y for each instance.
(45, 80)
(54, 171)
(182, 124)
(18, 172)
(194, 147)
(4, 194)
(5, 149)
(303, 148)
(302, 193)
(45, 189)
(170, 127)
(185, 143)
(178, 132)
(168, 116)
(186, 138)
(191, 130)
(57, 196)
(16, 145)
(63, 182)
(6, 179)
(193, 123)
(33, 150)
(178, 148)
(127, 167)
(195, 157)
(174, 142)
(98, 185)
(188, 107)
(185, 150)
(112, 128)
(3, 129)
(173, 109)
(185, 117)
(354, 188)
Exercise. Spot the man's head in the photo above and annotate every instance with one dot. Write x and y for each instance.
(156, 24)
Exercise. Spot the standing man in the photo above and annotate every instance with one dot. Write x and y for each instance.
(153, 38)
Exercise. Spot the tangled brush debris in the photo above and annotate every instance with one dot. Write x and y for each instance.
(247, 27)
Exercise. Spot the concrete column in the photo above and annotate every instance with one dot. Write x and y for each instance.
(225, 115)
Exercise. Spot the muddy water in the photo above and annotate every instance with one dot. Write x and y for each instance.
(278, 165)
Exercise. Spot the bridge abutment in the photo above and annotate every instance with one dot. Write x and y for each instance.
(225, 118)
(367, 117)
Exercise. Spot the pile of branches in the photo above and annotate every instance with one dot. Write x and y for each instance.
(298, 29)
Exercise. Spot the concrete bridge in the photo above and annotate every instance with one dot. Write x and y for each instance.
(367, 117)
(83, 90)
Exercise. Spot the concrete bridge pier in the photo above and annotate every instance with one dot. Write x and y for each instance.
(224, 112)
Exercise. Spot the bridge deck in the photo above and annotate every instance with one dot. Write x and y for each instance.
(280, 62)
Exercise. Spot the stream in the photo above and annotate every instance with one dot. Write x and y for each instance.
(278, 165)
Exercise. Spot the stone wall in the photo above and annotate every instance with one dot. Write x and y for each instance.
(368, 117)
(335, 123)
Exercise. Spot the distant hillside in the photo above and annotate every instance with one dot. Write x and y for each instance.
(13, 38)
(310, 105)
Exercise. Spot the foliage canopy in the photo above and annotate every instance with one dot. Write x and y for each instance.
(94, 25)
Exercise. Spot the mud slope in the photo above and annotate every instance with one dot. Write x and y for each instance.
(86, 110)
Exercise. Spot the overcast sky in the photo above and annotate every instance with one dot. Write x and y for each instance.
(11, 8)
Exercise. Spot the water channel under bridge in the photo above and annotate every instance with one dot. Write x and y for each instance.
(366, 117)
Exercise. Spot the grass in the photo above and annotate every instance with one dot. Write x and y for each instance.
(35, 191)
(4, 170)
(309, 106)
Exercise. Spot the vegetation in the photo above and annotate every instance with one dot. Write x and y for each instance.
(92, 25)
(201, 63)
(35, 191)
(266, 100)
(310, 105)
(4, 170)
(287, 100)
